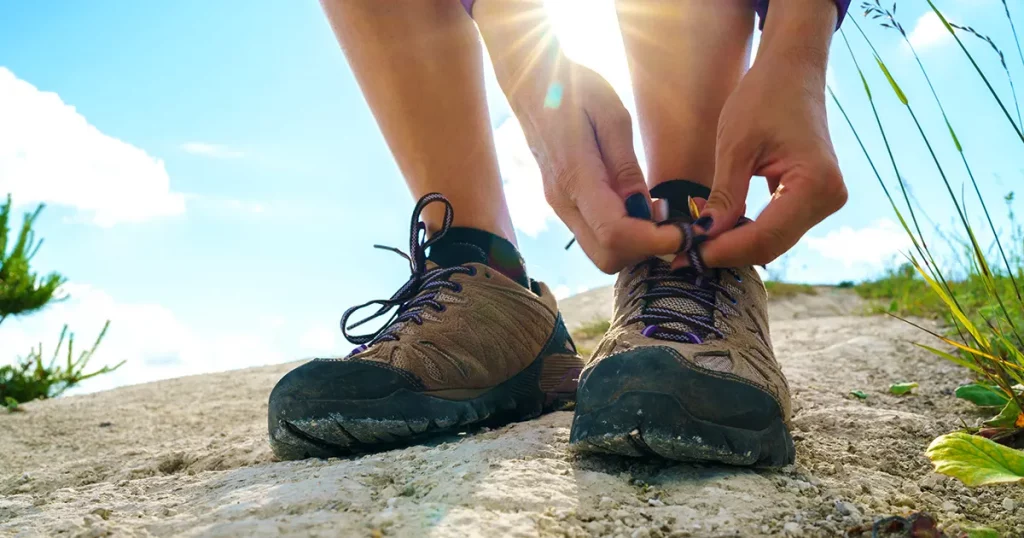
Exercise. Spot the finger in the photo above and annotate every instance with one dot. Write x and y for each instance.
(625, 240)
(614, 132)
(786, 218)
(734, 165)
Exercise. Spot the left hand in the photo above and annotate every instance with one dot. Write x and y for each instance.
(774, 125)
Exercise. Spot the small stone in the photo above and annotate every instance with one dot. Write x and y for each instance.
(903, 500)
(607, 503)
(932, 481)
(105, 424)
(949, 506)
(911, 489)
(389, 492)
(1009, 504)
(792, 529)
(848, 509)
(657, 502)
(642, 532)
(104, 513)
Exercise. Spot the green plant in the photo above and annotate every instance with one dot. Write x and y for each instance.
(983, 302)
(777, 290)
(30, 378)
(23, 292)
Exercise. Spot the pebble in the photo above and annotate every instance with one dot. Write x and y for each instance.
(792, 529)
(1009, 504)
(642, 532)
(911, 489)
(607, 503)
(848, 509)
(949, 506)
(657, 502)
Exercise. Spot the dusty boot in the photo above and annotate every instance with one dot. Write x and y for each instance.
(467, 346)
(686, 370)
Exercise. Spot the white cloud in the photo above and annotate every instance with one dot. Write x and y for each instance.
(928, 32)
(582, 289)
(874, 245)
(154, 343)
(211, 150)
(50, 153)
(319, 340)
(520, 174)
(561, 292)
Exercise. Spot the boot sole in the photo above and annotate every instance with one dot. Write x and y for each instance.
(650, 402)
(406, 417)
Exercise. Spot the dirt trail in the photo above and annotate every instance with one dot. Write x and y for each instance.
(187, 457)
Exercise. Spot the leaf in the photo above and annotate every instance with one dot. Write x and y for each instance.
(902, 388)
(11, 404)
(983, 395)
(892, 82)
(974, 460)
(1007, 417)
(982, 532)
(859, 394)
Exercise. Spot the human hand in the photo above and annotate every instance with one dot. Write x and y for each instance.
(774, 125)
(581, 135)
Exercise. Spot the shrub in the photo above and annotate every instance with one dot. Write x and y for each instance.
(23, 292)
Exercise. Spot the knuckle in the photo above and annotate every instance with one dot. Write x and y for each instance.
(721, 198)
(627, 172)
(833, 190)
(606, 235)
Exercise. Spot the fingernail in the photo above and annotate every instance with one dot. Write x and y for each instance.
(705, 222)
(638, 207)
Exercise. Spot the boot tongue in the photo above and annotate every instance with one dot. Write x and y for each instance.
(677, 194)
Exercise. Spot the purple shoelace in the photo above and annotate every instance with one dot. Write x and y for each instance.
(694, 289)
(419, 292)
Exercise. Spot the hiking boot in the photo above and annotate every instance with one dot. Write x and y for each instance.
(686, 370)
(467, 346)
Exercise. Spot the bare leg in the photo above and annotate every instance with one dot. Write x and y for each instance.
(685, 58)
(420, 67)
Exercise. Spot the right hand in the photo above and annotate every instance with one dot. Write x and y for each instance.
(582, 137)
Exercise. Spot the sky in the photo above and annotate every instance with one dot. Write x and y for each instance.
(214, 180)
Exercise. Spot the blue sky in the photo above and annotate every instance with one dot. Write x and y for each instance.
(214, 179)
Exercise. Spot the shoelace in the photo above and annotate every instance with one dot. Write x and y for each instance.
(419, 292)
(687, 284)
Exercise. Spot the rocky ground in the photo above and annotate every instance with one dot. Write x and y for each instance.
(188, 457)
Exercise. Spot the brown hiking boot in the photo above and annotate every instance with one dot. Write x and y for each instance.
(686, 371)
(467, 346)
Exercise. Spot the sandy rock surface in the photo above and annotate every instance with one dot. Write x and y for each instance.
(188, 457)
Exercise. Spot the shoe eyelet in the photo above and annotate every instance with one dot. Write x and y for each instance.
(472, 271)
(442, 308)
(487, 274)
(457, 288)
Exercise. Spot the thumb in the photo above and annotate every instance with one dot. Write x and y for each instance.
(614, 132)
(725, 205)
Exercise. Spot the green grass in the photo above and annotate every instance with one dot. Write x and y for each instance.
(591, 330)
(779, 290)
(901, 291)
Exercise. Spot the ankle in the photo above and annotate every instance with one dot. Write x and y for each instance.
(462, 245)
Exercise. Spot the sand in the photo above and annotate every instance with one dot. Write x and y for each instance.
(188, 457)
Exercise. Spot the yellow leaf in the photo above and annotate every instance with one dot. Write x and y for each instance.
(974, 460)
(1020, 421)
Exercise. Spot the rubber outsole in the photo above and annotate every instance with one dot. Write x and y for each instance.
(650, 402)
(406, 417)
